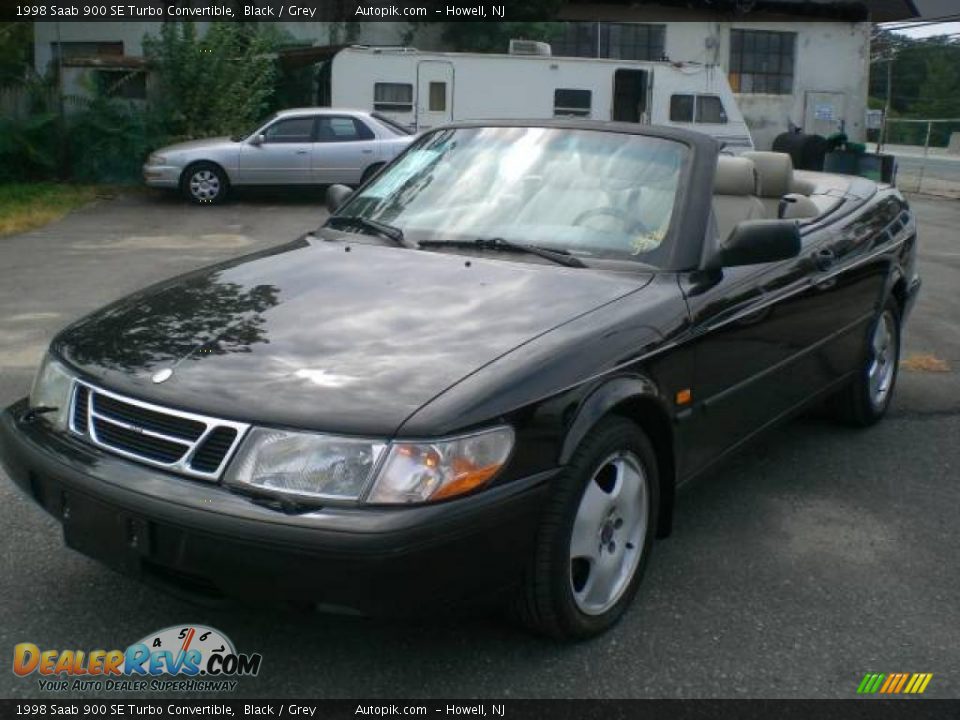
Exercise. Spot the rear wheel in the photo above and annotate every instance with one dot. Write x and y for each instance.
(595, 535)
(865, 400)
(204, 183)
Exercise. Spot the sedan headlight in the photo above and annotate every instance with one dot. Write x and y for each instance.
(316, 466)
(306, 464)
(418, 472)
(51, 391)
(156, 159)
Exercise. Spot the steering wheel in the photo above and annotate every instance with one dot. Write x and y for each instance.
(629, 225)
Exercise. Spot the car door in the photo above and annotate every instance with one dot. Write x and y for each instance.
(345, 146)
(754, 332)
(283, 156)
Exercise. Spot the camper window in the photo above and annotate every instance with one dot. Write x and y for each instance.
(393, 97)
(571, 103)
(438, 97)
(681, 108)
(705, 108)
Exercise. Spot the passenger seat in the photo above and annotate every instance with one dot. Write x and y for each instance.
(775, 173)
(734, 194)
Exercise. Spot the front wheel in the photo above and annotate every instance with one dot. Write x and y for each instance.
(866, 399)
(205, 183)
(594, 537)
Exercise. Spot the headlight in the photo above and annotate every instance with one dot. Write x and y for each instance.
(51, 389)
(417, 472)
(306, 464)
(155, 159)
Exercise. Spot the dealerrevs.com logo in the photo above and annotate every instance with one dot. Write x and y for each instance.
(177, 658)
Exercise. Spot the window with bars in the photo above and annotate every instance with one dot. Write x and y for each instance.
(762, 61)
(624, 41)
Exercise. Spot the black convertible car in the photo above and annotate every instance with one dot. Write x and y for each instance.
(482, 379)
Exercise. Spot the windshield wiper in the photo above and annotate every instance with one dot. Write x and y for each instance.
(373, 226)
(561, 257)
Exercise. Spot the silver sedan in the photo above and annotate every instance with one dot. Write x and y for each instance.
(305, 146)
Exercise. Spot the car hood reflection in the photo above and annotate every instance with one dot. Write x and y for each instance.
(314, 336)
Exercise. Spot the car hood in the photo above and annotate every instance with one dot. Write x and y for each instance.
(203, 143)
(327, 336)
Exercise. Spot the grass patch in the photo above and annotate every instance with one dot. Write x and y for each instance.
(25, 206)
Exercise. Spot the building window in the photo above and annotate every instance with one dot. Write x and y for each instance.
(571, 103)
(393, 97)
(623, 41)
(75, 50)
(438, 97)
(762, 61)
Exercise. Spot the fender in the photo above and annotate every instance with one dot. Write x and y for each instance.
(613, 392)
(600, 401)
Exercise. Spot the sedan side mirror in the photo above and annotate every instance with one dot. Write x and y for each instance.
(754, 242)
(258, 139)
(336, 196)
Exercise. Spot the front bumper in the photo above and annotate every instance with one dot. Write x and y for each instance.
(162, 176)
(203, 540)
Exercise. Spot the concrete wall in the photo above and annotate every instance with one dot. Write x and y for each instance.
(831, 57)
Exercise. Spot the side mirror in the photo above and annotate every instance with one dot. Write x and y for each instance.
(336, 196)
(258, 139)
(754, 242)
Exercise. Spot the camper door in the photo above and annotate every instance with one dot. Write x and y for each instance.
(434, 93)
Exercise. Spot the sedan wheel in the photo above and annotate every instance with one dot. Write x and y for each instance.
(882, 367)
(594, 536)
(205, 183)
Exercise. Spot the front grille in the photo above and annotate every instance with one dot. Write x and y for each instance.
(191, 444)
(211, 451)
(81, 402)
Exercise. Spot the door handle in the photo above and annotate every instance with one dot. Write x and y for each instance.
(301, 152)
(366, 152)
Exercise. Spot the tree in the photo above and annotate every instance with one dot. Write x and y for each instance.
(16, 52)
(218, 84)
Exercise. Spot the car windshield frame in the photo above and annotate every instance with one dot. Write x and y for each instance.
(663, 256)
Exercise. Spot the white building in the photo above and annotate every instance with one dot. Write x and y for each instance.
(802, 63)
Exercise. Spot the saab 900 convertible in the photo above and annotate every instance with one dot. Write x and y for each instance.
(483, 379)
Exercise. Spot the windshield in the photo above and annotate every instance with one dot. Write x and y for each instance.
(591, 193)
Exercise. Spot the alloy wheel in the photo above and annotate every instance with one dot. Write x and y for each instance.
(880, 372)
(204, 185)
(608, 533)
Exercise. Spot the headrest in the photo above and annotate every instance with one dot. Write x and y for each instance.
(775, 171)
(735, 176)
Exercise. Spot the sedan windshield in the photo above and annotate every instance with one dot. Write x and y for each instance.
(589, 193)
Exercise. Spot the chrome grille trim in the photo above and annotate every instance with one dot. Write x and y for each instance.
(181, 465)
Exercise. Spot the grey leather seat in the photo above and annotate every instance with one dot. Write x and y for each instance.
(734, 194)
(775, 174)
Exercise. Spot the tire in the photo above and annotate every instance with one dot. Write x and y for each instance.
(587, 525)
(370, 172)
(204, 183)
(866, 399)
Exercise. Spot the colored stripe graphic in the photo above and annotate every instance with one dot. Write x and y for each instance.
(894, 683)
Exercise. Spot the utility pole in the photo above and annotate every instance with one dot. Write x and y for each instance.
(886, 109)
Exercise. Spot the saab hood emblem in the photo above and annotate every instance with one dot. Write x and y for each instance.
(162, 375)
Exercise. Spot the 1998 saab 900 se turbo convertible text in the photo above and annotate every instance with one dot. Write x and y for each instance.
(484, 377)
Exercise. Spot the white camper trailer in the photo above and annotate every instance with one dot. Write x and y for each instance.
(425, 89)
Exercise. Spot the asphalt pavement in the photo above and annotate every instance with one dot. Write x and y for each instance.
(821, 554)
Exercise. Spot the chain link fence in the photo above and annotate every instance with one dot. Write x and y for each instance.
(927, 152)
